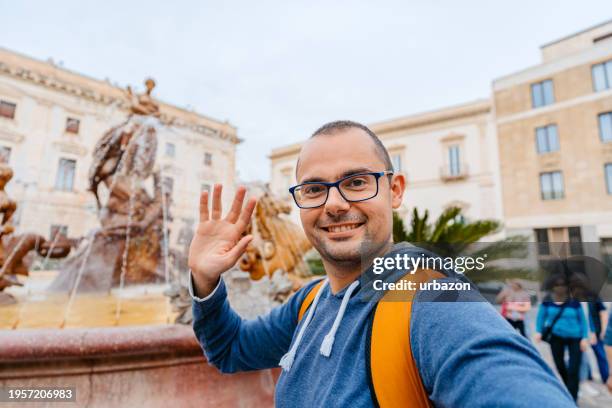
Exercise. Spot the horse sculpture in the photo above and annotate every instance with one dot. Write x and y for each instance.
(277, 244)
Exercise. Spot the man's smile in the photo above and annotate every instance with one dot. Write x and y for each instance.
(342, 230)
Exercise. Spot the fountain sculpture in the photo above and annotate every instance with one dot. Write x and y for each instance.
(277, 243)
(127, 248)
(14, 248)
(71, 339)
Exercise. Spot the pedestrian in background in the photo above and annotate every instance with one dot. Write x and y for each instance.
(598, 321)
(515, 303)
(562, 324)
(607, 340)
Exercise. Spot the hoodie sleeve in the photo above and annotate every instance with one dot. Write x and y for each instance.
(233, 344)
(468, 355)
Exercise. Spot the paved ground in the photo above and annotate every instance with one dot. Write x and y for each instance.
(593, 394)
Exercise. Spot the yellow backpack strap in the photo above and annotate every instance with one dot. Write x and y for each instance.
(394, 378)
(309, 298)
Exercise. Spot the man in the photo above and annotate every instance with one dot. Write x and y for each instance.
(598, 321)
(608, 347)
(466, 354)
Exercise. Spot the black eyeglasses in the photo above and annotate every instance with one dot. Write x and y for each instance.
(353, 188)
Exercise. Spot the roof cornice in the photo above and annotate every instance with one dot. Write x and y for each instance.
(51, 76)
(470, 109)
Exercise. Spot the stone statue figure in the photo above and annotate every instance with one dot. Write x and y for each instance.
(277, 244)
(117, 152)
(14, 248)
(7, 206)
(123, 163)
(143, 104)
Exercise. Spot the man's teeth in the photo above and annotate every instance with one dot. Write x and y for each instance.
(343, 228)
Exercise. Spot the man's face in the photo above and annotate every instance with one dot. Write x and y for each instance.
(341, 231)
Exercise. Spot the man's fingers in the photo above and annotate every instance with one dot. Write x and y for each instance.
(234, 213)
(245, 216)
(240, 247)
(204, 206)
(216, 205)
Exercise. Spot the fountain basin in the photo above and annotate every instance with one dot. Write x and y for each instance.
(35, 308)
(153, 366)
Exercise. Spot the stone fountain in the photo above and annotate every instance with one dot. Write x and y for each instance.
(142, 363)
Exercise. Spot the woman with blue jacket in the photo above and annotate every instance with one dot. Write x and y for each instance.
(561, 323)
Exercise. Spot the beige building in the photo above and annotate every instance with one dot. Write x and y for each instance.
(554, 129)
(50, 120)
(537, 155)
(448, 156)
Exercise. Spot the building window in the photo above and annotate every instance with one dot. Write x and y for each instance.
(558, 238)
(5, 154)
(542, 240)
(170, 149)
(396, 160)
(551, 185)
(602, 76)
(72, 125)
(7, 109)
(168, 185)
(186, 233)
(608, 171)
(605, 126)
(205, 187)
(547, 139)
(542, 93)
(454, 160)
(65, 175)
(606, 252)
(208, 159)
(62, 230)
(286, 181)
(575, 240)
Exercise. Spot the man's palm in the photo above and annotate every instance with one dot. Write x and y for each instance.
(218, 243)
(212, 244)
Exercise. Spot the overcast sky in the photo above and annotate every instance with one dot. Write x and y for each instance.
(278, 70)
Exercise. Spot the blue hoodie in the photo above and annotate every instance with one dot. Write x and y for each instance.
(466, 353)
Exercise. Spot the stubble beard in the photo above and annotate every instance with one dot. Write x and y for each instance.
(353, 258)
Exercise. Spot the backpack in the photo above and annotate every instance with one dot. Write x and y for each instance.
(393, 381)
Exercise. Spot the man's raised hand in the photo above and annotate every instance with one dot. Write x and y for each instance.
(218, 242)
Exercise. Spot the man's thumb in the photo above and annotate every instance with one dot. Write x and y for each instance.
(240, 246)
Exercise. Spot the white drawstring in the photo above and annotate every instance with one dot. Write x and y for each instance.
(328, 341)
(287, 361)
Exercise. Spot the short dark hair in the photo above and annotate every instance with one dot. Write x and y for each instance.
(339, 125)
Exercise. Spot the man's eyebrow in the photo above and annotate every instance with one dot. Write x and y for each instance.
(344, 174)
(356, 171)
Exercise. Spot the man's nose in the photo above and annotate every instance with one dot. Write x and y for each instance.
(336, 204)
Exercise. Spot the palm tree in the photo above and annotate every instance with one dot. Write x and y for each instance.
(451, 232)
(451, 235)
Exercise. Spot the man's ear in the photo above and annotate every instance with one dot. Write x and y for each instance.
(398, 185)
